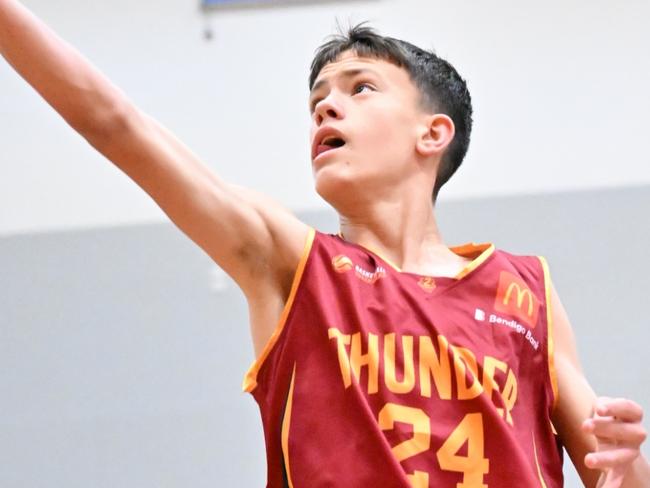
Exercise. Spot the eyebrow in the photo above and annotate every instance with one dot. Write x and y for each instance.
(348, 73)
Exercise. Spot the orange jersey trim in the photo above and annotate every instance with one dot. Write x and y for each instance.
(286, 424)
(539, 470)
(485, 249)
(549, 327)
(250, 379)
(384, 258)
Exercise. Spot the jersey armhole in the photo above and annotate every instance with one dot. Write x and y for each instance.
(549, 331)
(250, 378)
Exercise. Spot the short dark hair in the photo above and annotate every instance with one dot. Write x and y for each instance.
(441, 87)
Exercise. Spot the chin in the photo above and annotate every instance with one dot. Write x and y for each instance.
(334, 186)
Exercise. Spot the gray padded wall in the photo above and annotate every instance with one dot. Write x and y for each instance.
(122, 350)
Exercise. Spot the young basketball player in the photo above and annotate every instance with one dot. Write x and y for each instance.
(384, 358)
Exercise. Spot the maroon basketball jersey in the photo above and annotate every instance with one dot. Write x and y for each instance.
(376, 377)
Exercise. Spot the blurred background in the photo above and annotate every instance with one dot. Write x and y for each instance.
(122, 345)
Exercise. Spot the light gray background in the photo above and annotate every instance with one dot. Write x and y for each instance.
(122, 350)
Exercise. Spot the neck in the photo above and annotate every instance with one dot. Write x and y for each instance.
(405, 233)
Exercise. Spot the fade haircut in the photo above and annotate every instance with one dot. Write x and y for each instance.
(442, 89)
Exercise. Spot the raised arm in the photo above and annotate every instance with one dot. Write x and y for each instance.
(601, 435)
(258, 243)
(239, 229)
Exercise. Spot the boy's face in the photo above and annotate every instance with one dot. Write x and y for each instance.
(373, 106)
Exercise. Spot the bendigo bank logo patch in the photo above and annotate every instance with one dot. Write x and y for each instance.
(515, 298)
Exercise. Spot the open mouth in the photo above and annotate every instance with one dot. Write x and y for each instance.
(328, 144)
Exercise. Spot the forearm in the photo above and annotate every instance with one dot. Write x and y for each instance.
(67, 81)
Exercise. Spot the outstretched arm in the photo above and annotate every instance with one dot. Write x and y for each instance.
(258, 243)
(602, 435)
(240, 229)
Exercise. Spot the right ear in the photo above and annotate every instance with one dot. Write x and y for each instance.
(435, 135)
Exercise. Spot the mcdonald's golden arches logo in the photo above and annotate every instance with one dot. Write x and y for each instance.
(515, 298)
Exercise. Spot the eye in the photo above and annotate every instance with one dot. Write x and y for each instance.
(312, 105)
(359, 86)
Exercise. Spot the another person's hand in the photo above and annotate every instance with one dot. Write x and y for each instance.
(616, 423)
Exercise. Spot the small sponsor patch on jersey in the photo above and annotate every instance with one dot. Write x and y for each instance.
(369, 277)
(427, 283)
(479, 314)
(342, 264)
(515, 298)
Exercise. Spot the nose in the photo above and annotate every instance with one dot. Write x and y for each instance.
(327, 108)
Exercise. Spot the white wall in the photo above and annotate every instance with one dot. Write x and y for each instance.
(559, 91)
